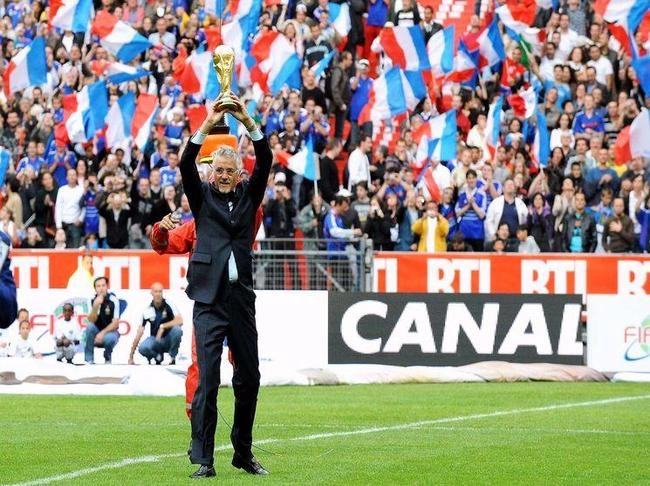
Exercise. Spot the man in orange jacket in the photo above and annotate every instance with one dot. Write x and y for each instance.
(169, 238)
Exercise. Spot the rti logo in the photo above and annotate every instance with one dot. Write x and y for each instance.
(638, 340)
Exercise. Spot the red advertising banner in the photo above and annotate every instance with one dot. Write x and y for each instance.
(511, 273)
(392, 272)
(128, 270)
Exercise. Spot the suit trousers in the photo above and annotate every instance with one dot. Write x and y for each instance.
(233, 315)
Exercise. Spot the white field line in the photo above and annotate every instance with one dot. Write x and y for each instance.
(541, 431)
(326, 435)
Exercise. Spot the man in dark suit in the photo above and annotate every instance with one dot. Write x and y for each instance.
(221, 285)
(8, 304)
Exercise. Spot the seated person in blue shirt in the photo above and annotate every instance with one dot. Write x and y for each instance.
(588, 122)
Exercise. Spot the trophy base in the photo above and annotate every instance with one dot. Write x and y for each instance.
(220, 128)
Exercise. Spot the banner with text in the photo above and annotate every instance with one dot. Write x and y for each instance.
(453, 330)
(511, 273)
(618, 335)
(392, 272)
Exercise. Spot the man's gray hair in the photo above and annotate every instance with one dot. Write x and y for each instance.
(227, 152)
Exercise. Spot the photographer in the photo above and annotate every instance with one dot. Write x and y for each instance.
(432, 228)
(279, 213)
(378, 226)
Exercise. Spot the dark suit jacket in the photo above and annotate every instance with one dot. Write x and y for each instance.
(589, 234)
(218, 230)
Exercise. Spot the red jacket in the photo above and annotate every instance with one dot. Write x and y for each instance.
(181, 240)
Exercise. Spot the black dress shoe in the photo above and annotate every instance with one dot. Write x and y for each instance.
(204, 472)
(251, 466)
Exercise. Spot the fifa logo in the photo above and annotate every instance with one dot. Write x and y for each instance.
(637, 340)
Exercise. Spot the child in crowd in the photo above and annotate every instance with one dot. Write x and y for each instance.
(23, 346)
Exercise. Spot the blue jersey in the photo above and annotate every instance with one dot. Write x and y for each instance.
(333, 220)
(471, 225)
(168, 177)
(360, 97)
(91, 222)
(8, 304)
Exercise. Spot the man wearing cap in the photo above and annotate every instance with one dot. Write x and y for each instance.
(360, 84)
(220, 281)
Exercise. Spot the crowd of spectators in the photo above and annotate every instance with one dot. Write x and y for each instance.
(583, 200)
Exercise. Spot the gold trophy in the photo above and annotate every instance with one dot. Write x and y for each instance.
(223, 61)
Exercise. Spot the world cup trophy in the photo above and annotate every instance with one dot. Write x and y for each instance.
(223, 61)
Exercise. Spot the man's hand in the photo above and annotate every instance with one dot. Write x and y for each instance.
(160, 332)
(99, 338)
(615, 227)
(98, 301)
(215, 115)
(241, 113)
(130, 361)
(168, 223)
(357, 232)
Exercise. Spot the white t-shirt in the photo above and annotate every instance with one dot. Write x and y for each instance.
(68, 329)
(432, 224)
(603, 68)
(22, 348)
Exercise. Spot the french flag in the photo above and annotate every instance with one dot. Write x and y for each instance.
(405, 47)
(493, 126)
(198, 76)
(277, 62)
(27, 68)
(73, 15)
(524, 102)
(319, 68)
(440, 50)
(464, 70)
(441, 129)
(623, 17)
(491, 50)
(84, 113)
(393, 93)
(116, 72)
(118, 38)
(633, 141)
(146, 109)
(245, 16)
(515, 17)
(340, 21)
(118, 121)
(305, 162)
(642, 69)
(541, 144)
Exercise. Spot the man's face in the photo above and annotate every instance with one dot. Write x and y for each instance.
(579, 201)
(509, 187)
(428, 14)
(564, 22)
(471, 181)
(67, 312)
(594, 53)
(225, 174)
(516, 55)
(603, 156)
(619, 206)
(100, 287)
(72, 177)
(550, 51)
(157, 293)
(589, 102)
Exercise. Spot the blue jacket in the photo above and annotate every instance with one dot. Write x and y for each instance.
(8, 304)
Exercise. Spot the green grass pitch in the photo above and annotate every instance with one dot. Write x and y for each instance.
(517, 433)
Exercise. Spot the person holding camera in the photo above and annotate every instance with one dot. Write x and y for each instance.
(432, 229)
(280, 212)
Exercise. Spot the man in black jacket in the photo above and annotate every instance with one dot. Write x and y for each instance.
(579, 235)
(341, 94)
(221, 285)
